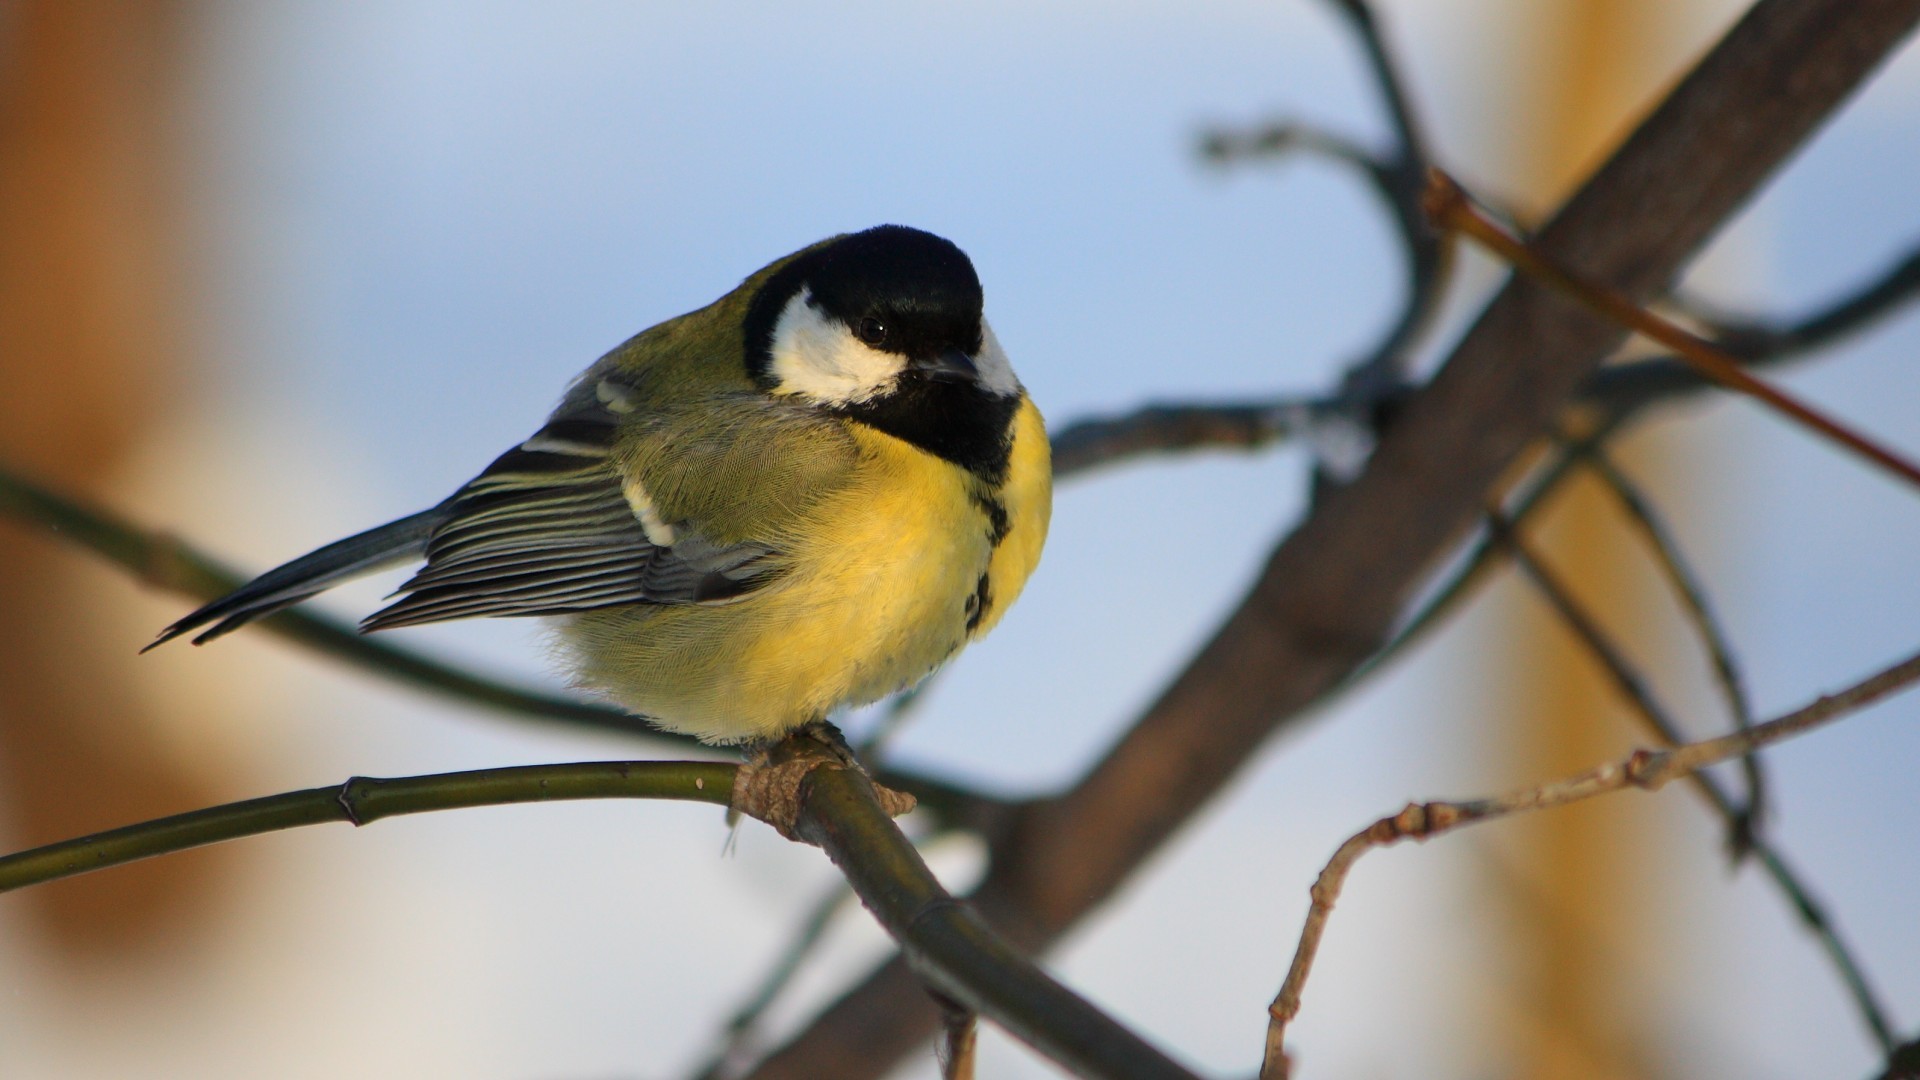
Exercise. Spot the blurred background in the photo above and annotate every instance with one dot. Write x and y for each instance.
(275, 272)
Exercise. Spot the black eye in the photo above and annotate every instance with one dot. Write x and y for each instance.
(872, 330)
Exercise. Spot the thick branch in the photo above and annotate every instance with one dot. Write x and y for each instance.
(1328, 596)
(809, 788)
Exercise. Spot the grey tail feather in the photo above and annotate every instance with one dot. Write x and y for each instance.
(379, 548)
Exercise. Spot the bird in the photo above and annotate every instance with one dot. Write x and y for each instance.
(803, 497)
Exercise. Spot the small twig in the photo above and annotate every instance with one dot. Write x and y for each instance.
(1743, 830)
(1282, 138)
(363, 800)
(958, 1027)
(1645, 769)
(1755, 338)
(1623, 389)
(1081, 446)
(1451, 209)
(1706, 625)
(1401, 180)
(1398, 177)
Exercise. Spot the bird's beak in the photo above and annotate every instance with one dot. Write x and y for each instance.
(949, 365)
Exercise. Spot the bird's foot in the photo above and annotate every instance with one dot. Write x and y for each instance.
(771, 784)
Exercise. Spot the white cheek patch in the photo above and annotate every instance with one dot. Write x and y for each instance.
(996, 371)
(818, 358)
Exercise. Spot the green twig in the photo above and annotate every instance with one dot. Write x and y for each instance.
(362, 800)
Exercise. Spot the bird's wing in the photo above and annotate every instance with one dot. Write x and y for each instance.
(551, 527)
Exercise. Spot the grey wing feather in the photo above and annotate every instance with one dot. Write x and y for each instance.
(376, 549)
(547, 529)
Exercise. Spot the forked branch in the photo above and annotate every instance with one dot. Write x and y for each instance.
(1645, 769)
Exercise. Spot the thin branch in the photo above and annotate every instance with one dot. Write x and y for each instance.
(1713, 638)
(1399, 179)
(1284, 138)
(1744, 833)
(954, 951)
(162, 562)
(1451, 209)
(1626, 388)
(737, 1041)
(834, 807)
(1645, 769)
(1082, 446)
(1755, 338)
(1401, 182)
(363, 800)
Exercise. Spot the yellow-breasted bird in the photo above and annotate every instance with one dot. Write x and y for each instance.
(803, 496)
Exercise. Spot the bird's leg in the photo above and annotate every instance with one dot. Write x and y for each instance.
(770, 784)
(827, 735)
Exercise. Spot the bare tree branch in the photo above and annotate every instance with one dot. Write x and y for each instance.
(952, 948)
(1452, 209)
(1398, 177)
(1624, 389)
(1744, 831)
(163, 562)
(1713, 637)
(832, 805)
(363, 800)
(737, 1040)
(1646, 769)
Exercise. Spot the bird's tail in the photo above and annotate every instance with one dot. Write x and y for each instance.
(389, 545)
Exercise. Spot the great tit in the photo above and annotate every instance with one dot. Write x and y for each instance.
(806, 495)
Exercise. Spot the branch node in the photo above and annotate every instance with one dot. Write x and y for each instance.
(345, 797)
(1647, 768)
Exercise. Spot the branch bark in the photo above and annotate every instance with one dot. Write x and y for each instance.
(1328, 596)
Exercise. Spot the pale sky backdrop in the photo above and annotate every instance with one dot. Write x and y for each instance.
(427, 215)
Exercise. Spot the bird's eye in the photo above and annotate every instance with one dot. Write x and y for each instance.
(872, 330)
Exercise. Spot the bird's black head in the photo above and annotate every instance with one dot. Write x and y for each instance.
(886, 327)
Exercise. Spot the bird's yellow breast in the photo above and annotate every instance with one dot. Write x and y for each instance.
(889, 574)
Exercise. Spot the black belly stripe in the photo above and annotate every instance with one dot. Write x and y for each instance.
(998, 526)
(996, 513)
(979, 603)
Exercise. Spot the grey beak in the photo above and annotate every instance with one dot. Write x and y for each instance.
(949, 365)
